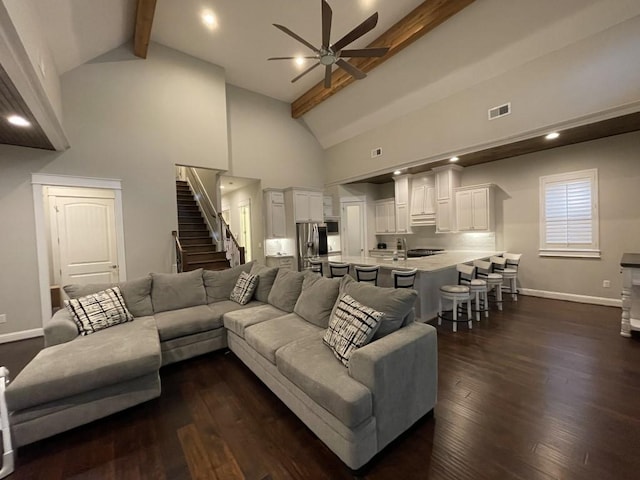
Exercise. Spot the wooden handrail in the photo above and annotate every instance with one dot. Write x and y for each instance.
(181, 258)
(229, 235)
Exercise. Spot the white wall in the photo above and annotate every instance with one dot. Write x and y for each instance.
(266, 143)
(233, 200)
(517, 209)
(573, 85)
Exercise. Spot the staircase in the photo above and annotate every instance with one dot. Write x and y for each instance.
(198, 248)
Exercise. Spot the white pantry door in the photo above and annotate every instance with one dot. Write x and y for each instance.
(83, 235)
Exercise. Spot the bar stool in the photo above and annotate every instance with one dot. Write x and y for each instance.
(510, 273)
(494, 281)
(477, 289)
(404, 278)
(457, 294)
(337, 270)
(316, 266)
(367, 273)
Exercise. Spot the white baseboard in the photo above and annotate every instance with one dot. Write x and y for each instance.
(23, 335)
(572, 297)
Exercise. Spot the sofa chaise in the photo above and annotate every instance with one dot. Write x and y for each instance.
(356, 410)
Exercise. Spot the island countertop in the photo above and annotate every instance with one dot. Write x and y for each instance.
(432, 263)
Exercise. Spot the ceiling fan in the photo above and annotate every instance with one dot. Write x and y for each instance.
(329, 54)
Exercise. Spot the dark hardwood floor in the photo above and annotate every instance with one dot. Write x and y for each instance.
(544, 390)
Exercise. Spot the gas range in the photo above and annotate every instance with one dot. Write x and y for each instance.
(423, 252)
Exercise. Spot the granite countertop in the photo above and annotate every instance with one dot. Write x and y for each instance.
(284, 255)
(433, 263)
(631, 260)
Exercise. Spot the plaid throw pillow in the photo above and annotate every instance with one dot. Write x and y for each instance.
(98, 311)
(351, 326)
(245, 286)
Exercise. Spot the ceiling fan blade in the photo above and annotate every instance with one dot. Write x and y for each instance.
(305, 72)
(296, 36)
(327, 76)
(366, 26)
(351, 70)
(327, 13)
(364, 52)
(287, 58)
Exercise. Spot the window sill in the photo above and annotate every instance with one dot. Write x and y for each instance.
(570, 253)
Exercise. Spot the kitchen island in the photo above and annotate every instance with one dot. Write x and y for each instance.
(433, 272)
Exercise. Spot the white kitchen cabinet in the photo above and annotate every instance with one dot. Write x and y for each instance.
(385, 216)
(285, 262)
(423, 205)
(327, 205)
(307, 206)
(447, 180)
(275, 214)
(474, 208)
(402, 214)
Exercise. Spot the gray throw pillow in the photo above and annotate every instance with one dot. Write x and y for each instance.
(395, 303)
(219, 283)
(136, 293)
(266, 277)
(172, 291)
(286, 290)
(317, 299)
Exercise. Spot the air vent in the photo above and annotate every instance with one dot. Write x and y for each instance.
(376, 152)
(501, 111)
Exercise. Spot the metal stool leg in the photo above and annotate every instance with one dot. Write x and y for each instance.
(7, 456)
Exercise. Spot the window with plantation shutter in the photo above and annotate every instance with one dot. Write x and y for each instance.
(569, 214)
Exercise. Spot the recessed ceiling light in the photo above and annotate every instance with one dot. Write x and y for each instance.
(209, 19)
(454, 159)
(18, 121)
(552, 136)
(397, 172)
(299, 61)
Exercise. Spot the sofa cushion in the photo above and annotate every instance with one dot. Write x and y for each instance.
(172, 291)
(105, 358)
(136, 293)
(219, 284)
(352, 326)
(317, 299)
(268, 336)
(395, 303)
(286, 289)
(266, 277)
(187, 321)
(310, 365)
(245, 286)
(98, 311)
(238, 320)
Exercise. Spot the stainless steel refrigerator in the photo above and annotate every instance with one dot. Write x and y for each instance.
(311, 242)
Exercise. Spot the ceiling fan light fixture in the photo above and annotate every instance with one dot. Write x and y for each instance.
(299, 60)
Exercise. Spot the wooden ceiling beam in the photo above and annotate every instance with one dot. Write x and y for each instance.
(144, 22)
(419, 22)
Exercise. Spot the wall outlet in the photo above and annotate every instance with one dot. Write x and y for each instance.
(3, 318)
(606, 283)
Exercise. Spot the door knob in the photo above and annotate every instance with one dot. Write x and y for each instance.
(114, 266)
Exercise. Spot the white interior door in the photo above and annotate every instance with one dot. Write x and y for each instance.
(245, 229)
(353, 229)
(83, 236)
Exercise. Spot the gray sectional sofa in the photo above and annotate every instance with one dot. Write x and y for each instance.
(356, 410)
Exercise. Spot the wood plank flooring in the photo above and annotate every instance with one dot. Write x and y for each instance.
(544, 390)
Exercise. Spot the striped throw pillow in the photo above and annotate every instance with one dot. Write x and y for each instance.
(351, 326)
(98, 311)
(245, 286)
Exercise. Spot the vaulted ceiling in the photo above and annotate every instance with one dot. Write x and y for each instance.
(485, 39)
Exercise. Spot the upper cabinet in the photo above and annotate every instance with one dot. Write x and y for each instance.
(327, 205)
(447, 180)
(474, 208)
(402, 213)
(385, 216)
(307, 206)
(423, 202)
(275, 214)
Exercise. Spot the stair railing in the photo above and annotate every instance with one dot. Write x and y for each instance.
(206, 205)
(181, 258)
(235, 253)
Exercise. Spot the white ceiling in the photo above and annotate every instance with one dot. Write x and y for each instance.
(484, 40)
(231, 184)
